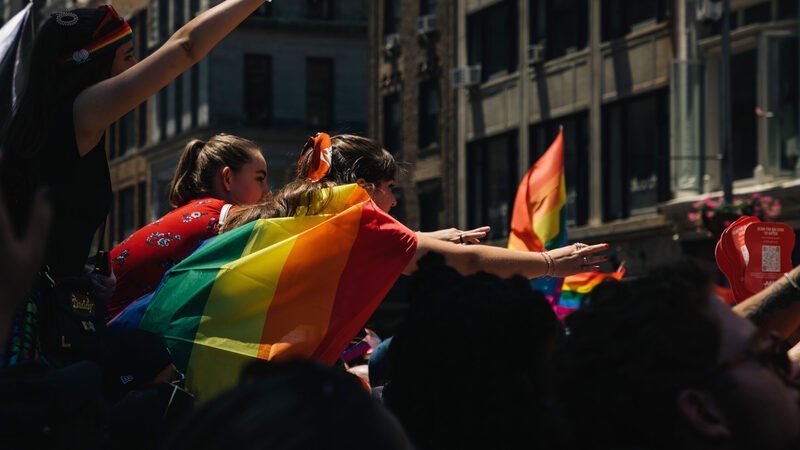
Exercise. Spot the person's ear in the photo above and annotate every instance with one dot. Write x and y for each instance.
(702, 414)
(362, 183)
(227, 178)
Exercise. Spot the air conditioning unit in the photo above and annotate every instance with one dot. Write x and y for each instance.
(465, 76)
(391, 41)
(708, 10)
(536, 53)
(426, 24)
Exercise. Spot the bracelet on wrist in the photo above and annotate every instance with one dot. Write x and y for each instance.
(791, 281)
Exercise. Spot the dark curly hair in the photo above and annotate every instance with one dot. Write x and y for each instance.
(469, 366)
(629, 352)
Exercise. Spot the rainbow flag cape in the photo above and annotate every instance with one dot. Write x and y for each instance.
(539, 218)
(576, 289)
(276, 289)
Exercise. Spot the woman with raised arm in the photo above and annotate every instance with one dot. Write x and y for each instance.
(83, 77)
(331, 161)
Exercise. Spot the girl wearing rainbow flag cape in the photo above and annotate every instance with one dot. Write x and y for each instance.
(333, 161)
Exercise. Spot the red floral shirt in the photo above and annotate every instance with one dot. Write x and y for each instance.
(141, 260)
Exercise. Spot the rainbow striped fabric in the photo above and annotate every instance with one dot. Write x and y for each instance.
(276, 289)
(539, 219)
(576, 289)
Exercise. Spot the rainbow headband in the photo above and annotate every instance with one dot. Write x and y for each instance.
(110, 41)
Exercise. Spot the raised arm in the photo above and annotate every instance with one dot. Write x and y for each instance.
(468, 259)
(776, 308)
(102, 104)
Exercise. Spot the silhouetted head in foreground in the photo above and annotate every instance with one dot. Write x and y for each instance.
(469, 367)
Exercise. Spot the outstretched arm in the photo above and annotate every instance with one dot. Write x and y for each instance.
(102, 104)
(468, 259)
(776, 308)
(457, 236)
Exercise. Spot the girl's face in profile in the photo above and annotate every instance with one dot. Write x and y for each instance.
(123, 59)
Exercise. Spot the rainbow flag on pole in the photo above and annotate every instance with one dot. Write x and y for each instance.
(576, 289)
(539, 219)
(276, 289)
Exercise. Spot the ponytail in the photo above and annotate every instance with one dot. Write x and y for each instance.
(183, 187)
(200, 162)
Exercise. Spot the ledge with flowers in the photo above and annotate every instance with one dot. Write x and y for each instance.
(704, 216)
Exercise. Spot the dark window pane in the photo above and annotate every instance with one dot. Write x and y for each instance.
(743, 118)
(194, 72)
(430, 203)
(127, 133)
(492, 39)
(179, 14)
(126, 225)
(620, 17)
(391, 16)
(391, 123)
(427, 7)
(787, 9)
(319, 9)
(163, 20)
(265, 10)
(143, 218)
(319, 92)
(757, 14)
(258, 88)
(179, 103)
(162, 112)
(428, 113)
(635, 155)
(492, 172)
(569, 30)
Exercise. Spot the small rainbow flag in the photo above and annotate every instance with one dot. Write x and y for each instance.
(576, 289)
(276, 289)
(539, 219)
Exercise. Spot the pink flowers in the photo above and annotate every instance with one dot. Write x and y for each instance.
(710, 209)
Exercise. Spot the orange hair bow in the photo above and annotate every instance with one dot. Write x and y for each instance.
(320, 158)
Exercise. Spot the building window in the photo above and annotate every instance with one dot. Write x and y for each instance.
(428, 113)
(392, 10)
(126, 224)
(787, 9)
(265, 10)
(194, 72)
(163, 100)
(492, 174)
(178, 15)
(319, 9)
(430, 203)
(492, 39)
(428, 7)
(744, 146)
(568, 22)
(635, 155)
(782, 93)
(258, 88)
(143, 219)
(576, 157)
(620, 17)
(391, 123)
(127, 133)
(319, 92)
(757, 14)
(163, 20)
(178, 104)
